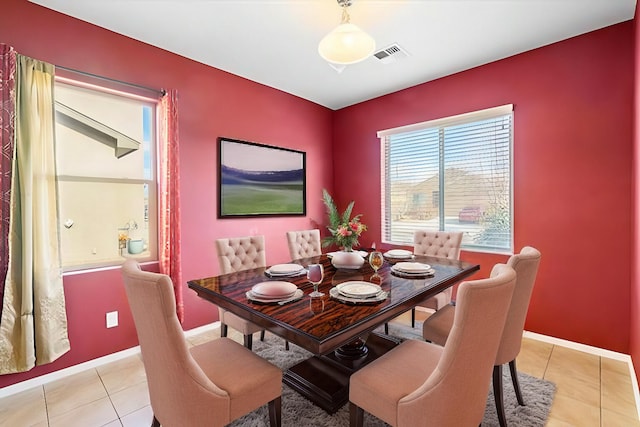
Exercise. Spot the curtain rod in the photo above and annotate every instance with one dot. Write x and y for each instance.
(161, 92)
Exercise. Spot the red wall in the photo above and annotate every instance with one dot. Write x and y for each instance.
(634, 345)
(572, 171)
(212, 103)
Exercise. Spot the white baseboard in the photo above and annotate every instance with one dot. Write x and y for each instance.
(71, 370)
(596, 351)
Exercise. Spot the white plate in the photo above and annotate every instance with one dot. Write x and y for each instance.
(274, 289)
(358, 289)
(398, 253)
(253, 297)
(420, 274)
(335, 293)
(412, 267)
(285, 269)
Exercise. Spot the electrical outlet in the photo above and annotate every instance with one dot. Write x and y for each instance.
(112, 319)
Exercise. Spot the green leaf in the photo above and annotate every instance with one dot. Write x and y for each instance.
(346, 216)
(332, 210)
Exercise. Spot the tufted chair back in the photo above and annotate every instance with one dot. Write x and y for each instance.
(240, 253)
(440, 244)
(437, 243)
(304, 243)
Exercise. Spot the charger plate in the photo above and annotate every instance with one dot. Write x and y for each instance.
(335, 294)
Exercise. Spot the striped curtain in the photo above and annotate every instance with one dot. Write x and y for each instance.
(170, 196)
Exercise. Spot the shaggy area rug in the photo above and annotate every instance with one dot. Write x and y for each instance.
(298, 411)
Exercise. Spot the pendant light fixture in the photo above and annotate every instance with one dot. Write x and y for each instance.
(347, 44)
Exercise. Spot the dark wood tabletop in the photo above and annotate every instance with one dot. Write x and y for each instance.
(338, 323)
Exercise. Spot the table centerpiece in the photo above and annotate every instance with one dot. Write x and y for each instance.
(345, 232)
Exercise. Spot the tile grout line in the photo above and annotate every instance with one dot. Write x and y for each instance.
(110, 400)
(601, 389)
(46, 405)
(546, 366)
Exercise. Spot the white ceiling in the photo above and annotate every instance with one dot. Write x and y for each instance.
(274, 42)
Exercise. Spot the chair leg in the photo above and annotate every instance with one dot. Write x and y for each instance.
(516, 383)
(223, 330)
(386, 329)
(275, 412)
(356, 415)
(413, 317)
(248, 341)
(262, 335)
(497, 394)
(155, 422)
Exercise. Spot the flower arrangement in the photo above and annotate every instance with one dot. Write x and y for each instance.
(345, 230)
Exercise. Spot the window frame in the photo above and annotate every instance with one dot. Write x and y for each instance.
(440, 124)
(153, 185)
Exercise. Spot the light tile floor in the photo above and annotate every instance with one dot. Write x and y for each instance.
(591, 391)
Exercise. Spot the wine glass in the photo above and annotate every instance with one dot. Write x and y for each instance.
(376, 260)
(315, 274)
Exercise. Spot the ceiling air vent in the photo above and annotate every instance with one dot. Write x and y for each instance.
(391, 54)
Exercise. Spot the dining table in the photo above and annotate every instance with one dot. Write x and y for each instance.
(336, 330)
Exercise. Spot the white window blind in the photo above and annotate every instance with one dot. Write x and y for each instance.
(451, 174)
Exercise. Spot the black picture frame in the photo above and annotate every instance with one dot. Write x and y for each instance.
(260, 180)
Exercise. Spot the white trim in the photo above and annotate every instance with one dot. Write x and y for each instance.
(105, 268)
(446, 121)
(578, 346)
(105, 89)
(71, 370)
(596, 351)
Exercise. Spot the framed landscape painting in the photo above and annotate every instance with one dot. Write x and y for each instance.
(256, 180)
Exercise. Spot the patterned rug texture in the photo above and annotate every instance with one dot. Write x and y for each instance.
(297, 411)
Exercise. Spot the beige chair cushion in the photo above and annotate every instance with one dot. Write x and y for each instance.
(197, 387)
(416, 384)
(304, 244)
(236, 322)
(249, 380)
(411, 362)
(437, 326)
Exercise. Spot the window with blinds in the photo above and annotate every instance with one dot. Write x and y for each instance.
(451, 174)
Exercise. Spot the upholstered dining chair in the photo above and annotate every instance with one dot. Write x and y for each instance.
(420, 383)
(438, 326)
(440, 244)
(210, 384)
(304, 243)
(237, 254)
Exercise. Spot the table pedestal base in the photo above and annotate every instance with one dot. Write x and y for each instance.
(325, 379)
